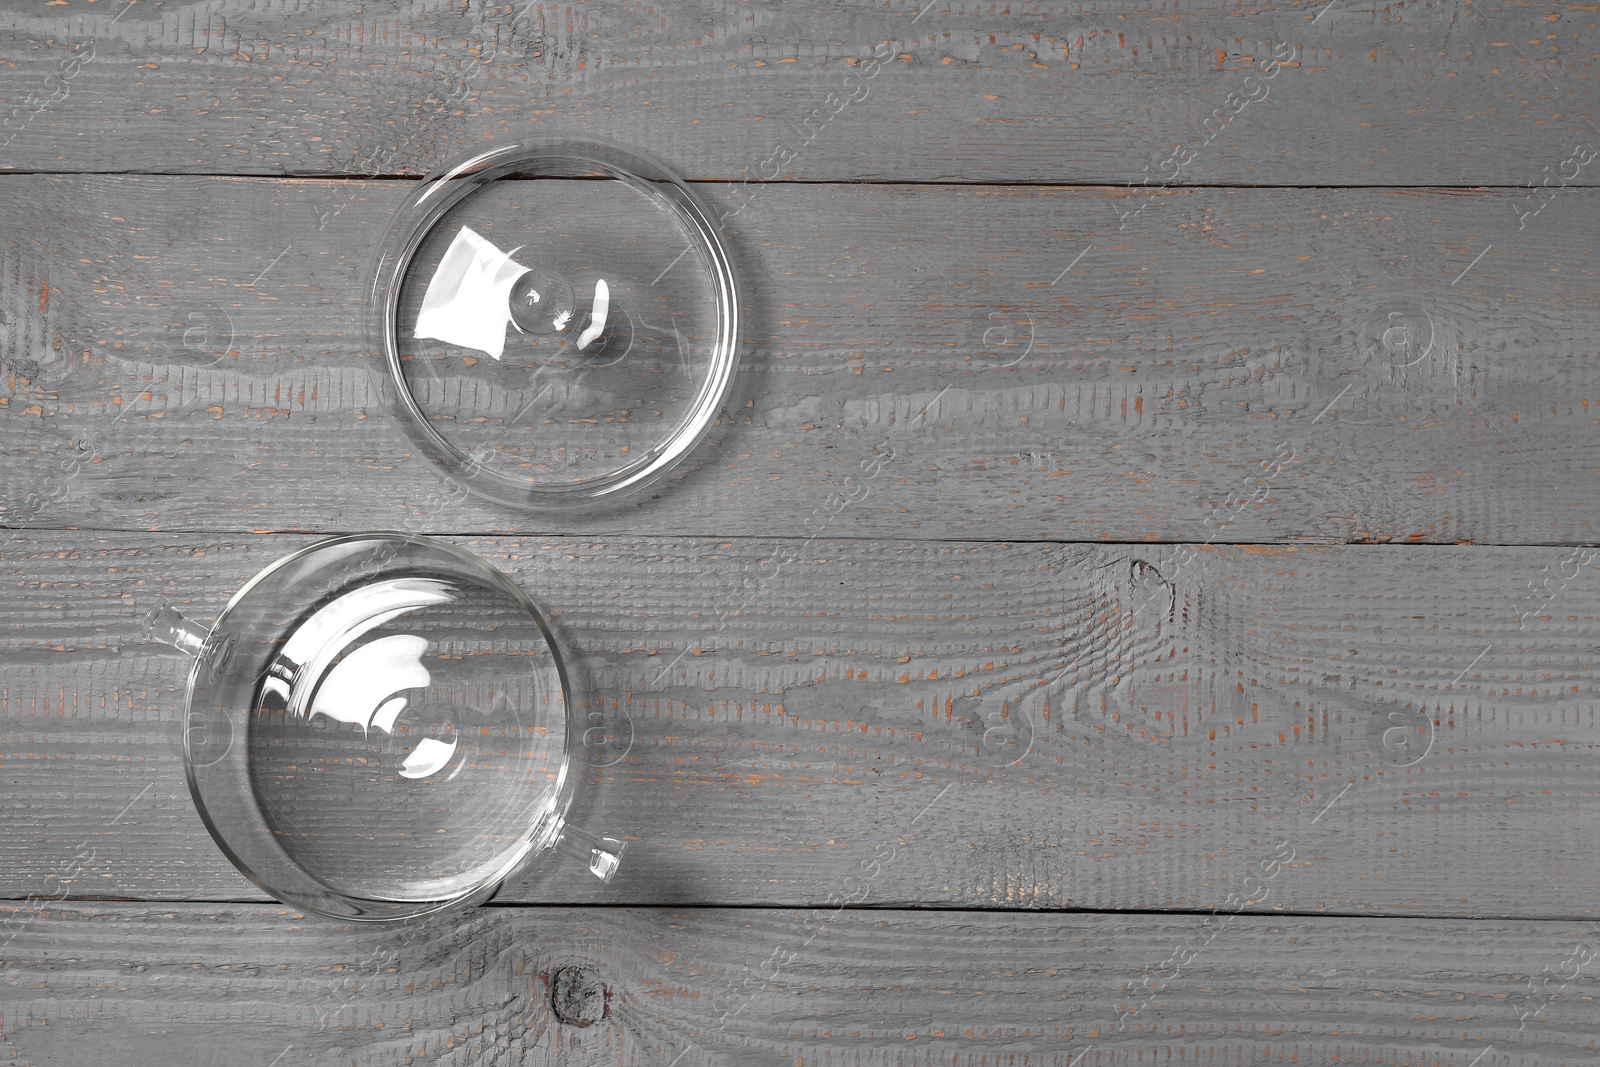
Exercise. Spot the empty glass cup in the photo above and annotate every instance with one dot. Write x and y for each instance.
(380, 726)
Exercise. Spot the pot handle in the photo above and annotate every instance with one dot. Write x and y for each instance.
(166, 625)
(600, 854)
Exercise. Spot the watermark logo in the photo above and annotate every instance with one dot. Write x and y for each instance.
(1007, 735)
(1400, 736)
(208, 736)
(1542, 992)
(209, 733)
(1400, 333)
(1005, 337)
(206, 335)
(606, 737)
(1252, 90)
(1005, 730)
(1544, 192)
(1552, 581)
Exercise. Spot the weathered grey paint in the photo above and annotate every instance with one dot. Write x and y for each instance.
(1319, 752)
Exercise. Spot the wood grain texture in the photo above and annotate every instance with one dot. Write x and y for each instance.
(1123, 399)
(706, 986)
(864, 648)
(1000, 713)
(1429, 94)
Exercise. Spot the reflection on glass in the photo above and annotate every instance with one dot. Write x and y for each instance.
(430, 755)
(477, 290)
(468, 302)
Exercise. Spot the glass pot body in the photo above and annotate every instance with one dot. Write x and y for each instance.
(379, 727)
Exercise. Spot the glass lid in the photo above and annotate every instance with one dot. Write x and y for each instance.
(558, 321)
(379, 719)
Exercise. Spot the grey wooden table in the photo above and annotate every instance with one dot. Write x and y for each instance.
(1207, 674)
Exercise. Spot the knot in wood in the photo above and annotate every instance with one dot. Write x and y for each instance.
(577, 996)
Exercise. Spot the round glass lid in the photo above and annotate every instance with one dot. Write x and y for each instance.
(558, 321)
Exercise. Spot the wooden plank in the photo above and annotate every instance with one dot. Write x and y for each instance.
(1417, 724)
(1047, 91)
(708, 986)
(201, 339)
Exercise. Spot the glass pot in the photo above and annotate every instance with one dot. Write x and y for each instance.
(380, 726)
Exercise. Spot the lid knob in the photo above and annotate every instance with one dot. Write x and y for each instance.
(541, 302)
